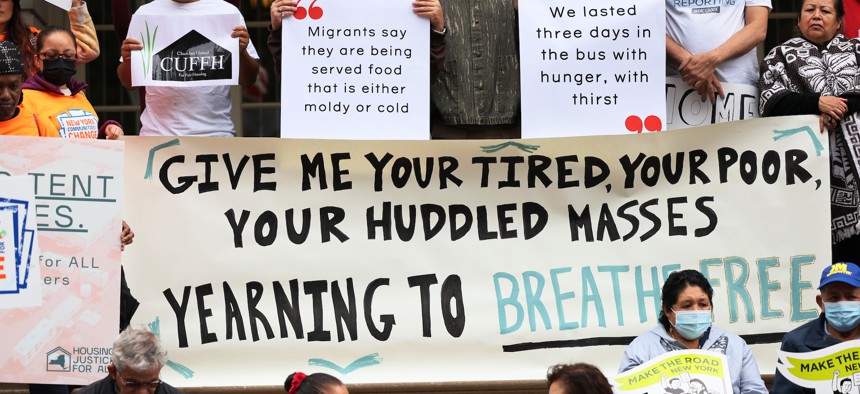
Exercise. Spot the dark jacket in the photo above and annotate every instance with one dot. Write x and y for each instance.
(806, 338)
(481, 81)
(108, 385)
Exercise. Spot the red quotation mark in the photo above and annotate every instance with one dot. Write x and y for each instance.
(634, 124)
(302, 12)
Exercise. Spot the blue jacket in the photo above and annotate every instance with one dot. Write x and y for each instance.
(746, 378)
(806, 338)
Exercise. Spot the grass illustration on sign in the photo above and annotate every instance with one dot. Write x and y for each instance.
(148, 46)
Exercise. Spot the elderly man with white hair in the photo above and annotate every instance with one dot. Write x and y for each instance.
(136, 362)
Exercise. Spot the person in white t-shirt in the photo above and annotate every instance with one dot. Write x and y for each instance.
(190, 111)
(714, 41)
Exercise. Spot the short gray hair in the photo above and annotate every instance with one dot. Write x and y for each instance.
(138, 349)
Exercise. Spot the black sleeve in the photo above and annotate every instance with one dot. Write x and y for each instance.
(438, 47)
(853, 102)
(796, 104)
(274, 44)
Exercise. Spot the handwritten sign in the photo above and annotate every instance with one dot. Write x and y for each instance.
(378, 260)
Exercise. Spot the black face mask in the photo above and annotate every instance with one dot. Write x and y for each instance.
(58, 71)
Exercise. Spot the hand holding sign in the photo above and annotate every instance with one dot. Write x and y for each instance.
(281, 9)
(430, 9)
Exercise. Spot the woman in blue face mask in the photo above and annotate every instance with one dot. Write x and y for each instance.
(686, 323)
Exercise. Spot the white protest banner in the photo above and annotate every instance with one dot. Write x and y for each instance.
(64, 4)
(687, 371)
(685, 108)
(592, 68)
(356, 70)
(399, 261)
(834, 369)
(185, 49)
(70, 192)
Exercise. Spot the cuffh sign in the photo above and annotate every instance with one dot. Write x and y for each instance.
(193, 57)
(175, 54)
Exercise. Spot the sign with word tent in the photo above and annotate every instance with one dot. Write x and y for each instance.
(356, 70)
(377, 261)
(60, 325)
(185, 50)
(592, 68)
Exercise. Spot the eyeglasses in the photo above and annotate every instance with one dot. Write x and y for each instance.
(55, 56)
(133, 385)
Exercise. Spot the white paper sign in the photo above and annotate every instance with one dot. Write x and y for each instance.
(185, 50)
(834, 369)
(685, 108)
(592, 67)
(687, 371)
(356, 70)
(64, 4)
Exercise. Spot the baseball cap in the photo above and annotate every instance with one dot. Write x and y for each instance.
(841, 272)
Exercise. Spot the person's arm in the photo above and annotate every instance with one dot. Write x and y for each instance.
(698, 69)
(110, 130)
(836, 381)
(750, 378)
(279, 10)
(796, 104)
(432, 10)
(274, 45)
(248, 66)
(853, 102)
(438, 52)
(85, 32)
